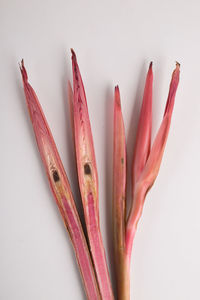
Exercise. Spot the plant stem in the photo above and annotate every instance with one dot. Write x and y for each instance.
(123, 276)
(119, 196)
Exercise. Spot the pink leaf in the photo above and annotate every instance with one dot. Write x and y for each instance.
(88, 181)
(60, 187)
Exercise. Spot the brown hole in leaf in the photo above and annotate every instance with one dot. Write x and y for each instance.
(56, 177)
(87, 169)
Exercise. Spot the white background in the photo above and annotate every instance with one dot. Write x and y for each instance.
(114, 42)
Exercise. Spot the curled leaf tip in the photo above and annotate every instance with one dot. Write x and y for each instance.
(22, 64)
(172, 90)
(73, 54)
(178, 64)
(23, 70)
(150, 65)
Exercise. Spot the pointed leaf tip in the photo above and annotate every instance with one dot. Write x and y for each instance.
(117, 96)
(143, 140)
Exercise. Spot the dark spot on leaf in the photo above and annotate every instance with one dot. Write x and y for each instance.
(87, 169)
(122, 160)
(56, 177)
